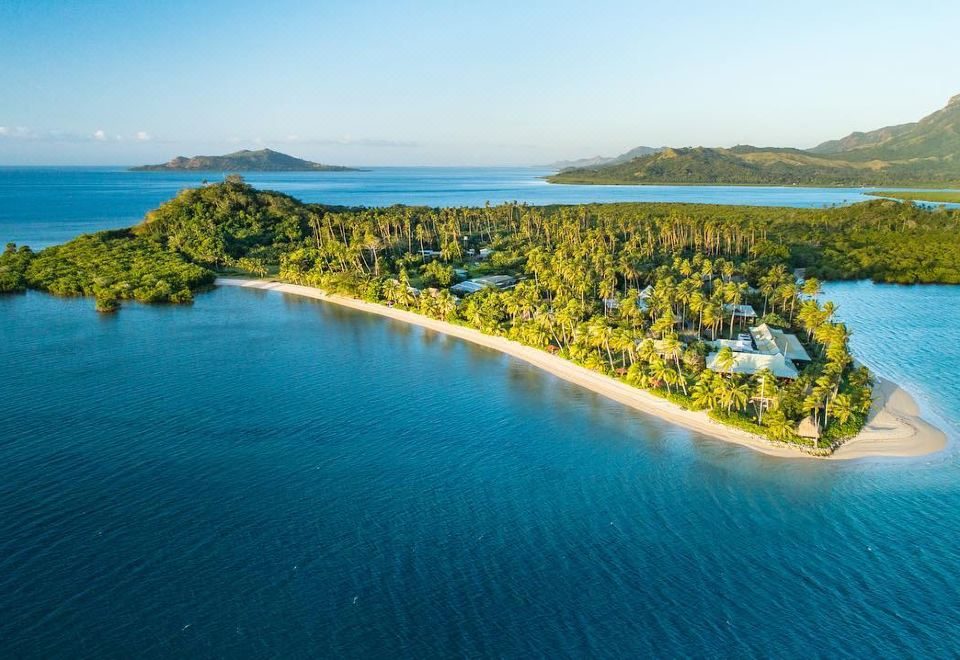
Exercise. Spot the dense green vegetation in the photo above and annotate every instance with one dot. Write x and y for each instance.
(921, 153)
(921, 196)
(111, 266)
(13, 268)
(263, 160)
(697, 259)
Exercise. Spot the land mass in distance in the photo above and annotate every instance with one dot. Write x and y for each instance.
(263, 160)
(922, 153)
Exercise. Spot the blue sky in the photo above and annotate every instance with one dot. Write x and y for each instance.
(439, 83)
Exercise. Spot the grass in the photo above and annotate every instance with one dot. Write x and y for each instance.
(921, 196)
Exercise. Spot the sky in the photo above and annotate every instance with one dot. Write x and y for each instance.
(458, 83)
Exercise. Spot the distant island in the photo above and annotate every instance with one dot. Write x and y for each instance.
(923, 153)
(263, 160)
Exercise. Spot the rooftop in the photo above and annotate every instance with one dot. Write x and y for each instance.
(745, 311)
(502, 282)
(752, 363)
(773, 340)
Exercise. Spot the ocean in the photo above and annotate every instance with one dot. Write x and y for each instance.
(264, 475)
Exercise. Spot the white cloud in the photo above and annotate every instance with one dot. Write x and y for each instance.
(99, 134)
(143, 136)
(17, 132)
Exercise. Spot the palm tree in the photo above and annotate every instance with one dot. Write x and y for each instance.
(661, 371)
(697, 303)
(704, 392)
(811, 287)
(662, 325)
(600, 334)
(670, 346)
(738, 396)
(780, 427)
(446, 304)
(623, 342)
(842, 408)
(725, 359)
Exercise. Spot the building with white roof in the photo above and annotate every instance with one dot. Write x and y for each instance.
(773, 340)
(771, 349)
(502, 282)
(741, 311)
(752, 363)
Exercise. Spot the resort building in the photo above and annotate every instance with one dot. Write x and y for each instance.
(741, 311)
(501, 282)
(752, 363)
(772, 340)
(770, 348)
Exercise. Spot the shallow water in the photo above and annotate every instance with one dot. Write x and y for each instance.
(261, 474)
(42, 206)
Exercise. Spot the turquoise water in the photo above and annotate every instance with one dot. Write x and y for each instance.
(911, 335)
(41, 206)
(261, 474)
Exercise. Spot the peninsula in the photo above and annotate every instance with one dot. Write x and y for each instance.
(925, 153)
(263, 160)
(697, 307)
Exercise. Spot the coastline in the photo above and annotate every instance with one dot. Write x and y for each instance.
(894, 427)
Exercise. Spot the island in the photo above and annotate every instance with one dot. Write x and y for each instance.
(263, 160)
(918, 154)
(709, 316)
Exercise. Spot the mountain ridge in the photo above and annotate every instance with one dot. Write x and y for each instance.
(925, 152)
(245, 160)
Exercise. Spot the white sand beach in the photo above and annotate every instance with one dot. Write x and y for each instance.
(894, 427)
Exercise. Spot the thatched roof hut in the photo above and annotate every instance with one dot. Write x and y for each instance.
(808, 428)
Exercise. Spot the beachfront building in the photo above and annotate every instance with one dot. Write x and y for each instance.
(752, 363)
(770, 341)
(766, 348)
(501, 282)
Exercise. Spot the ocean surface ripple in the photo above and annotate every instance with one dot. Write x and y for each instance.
(261, 474)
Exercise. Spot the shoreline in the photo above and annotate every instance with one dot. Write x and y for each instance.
(894, 427)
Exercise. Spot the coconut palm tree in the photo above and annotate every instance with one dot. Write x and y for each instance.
(779, 425)
(704, 392)
(725, 359)
(671, 347)
(738, 396)
(842, 408)
(661, 371)
(446, 304)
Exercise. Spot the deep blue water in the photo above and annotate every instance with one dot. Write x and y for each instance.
(264, 475)
(40, 206)
(260, 474)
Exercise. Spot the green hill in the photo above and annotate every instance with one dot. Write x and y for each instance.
(926, 152)
(264, 160)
